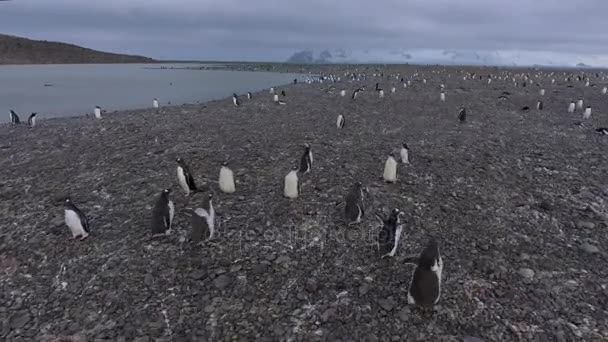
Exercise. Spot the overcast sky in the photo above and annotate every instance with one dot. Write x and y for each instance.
(273, 30)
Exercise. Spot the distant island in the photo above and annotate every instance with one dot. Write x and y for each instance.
(17, 50)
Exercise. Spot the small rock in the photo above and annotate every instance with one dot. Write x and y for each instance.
(222, 281)
(526, 273)
(283, 259)
(20, 320)
(589, 248)
(149, 280)
(546, 206)
(471, 339)
(386, 304)
(259, 268)
(363, 289)
(404, 314)
(585, 225)
(311, 286)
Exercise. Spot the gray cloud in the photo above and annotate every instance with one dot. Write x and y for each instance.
(268, 29)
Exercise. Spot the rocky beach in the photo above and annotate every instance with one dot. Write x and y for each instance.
(518, 201)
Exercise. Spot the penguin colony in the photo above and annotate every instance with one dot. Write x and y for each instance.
(424, 289)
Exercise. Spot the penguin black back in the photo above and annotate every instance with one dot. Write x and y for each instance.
(462, 115)
(354, 210)
(388, 238)
(306, 160)
(425, 288)
(283, 93)
(161, 213)
(84, 221)
(187, 174)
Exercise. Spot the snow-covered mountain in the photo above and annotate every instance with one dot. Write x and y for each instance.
(449, 57)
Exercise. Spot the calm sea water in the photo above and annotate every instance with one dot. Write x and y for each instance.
(77, 89)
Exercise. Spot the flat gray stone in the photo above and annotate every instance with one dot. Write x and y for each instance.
(526, 273)
(589, 248)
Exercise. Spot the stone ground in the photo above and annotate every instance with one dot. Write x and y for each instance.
(518, 201)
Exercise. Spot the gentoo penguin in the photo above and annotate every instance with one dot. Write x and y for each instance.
(602, 130)
(292, 185)
(184, 177)
(97, 112)
(462, 114)
(226, 180)
(381, 93)
(579, 104)
(76, 220)
(390, 234)
(155, 104)
(235, 100)
(405, 153)
(306, 160)
(424, 80)
(275, 98)
(605, 90)
(32, 120)
(390, 169)
(283, 93)
(162, 214)
(295, 81)
(571, 107)
(342, 93)
(354, 209)
(542, 92)
(203, 222)
(249, 97)
(14, 117)
(442, 97)
(587, 113)
(425, 287)
(340, 121)
(356, 92)
(272, 90)
(393, 90)
(539, 105)
(378, 87)
(280, 102)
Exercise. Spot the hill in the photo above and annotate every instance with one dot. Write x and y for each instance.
(17, 50)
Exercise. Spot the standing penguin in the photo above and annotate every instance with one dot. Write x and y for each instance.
(272, 90)
(76, 220)
(542, 92)
(539, 105)
(291, 187)
(306, 160)
(184, 177)
(340, 121)
(571, 107)
(462, 114)
(235, 100)
(579, 104)
(393, 90)
(97, 112)
(343, 93)
(587, 113)
(203, 222)
(226, 179)
(275, 98)
(381, 93)
(283, 93)
(356, 92)
(31, 121)
(14, 117)
(249, 97)
(162, 214)
(155, 104)
(354, 209)
(425, 287)
(390, 169)
(605, 90)
(442, 97)
(405, 154)
(390, 234)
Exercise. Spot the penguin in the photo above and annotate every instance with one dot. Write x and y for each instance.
(489, 80)
(424, 80)
(356, 92)
(405, 151)
(340, 121)
(393, 90)
(579, 104)
(283, 93)
(75, 220)
(275, 98)
(295, 81)
(354, 210)
(390, 234)
(542, 92)
(381, 93)
(155, 104)
(442, 97)
(306, 160)
(272, 90)
(162, 214)
(605, 90)
(378, 87)
(462, 114)
(184, 177)
(587, 113)
(249, 97)
(425, 286)
(342, 93)
(235, 100)
(97, 112)
(539, 105)
(602, 130)
(292, 185)
(571, 107)
(31, 121)
(525, 109)
(390, 169)
(14, 117)
(281, 102)
(203, 222)
(226, 180)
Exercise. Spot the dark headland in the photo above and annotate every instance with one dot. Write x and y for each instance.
(518, 201)
(17, 50)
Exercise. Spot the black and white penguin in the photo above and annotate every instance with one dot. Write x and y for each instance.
(162, 214)
(604, 90)
(31, 120)
(275, 98)
(340, 121)
(226, 180)
(539, 105)
(571, 107)
(75, 220)
(579, 104)
(405, 153)
(356, 92)
(281, 102)
(291, 187)
(442, 97)
(462, 115)
(378, 87)
(249, 96)
(155, 104)
(425, 287)
(542, 92)
(354, 210)
(272, 90)
(185, 178)
(390, 169)
(203, 222)
(602, 130)
(306, 160)
(587, 113)
(14, 117)
(390, 234)
(235, 100)
(525, 109)
(283, 93)
(342, 92)
(295, 81)
(97, 112)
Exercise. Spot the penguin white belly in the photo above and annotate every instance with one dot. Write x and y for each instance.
(438, 270)
(579, 104)
(339, 121)
(181, 178)
(310, 157)
(98, 113)
(291, 185)
(227, 180)
(571, 108)
(155, 104)
(171, 214)
(404, 156)
(209, 218)
(33, 122)
(397, 238)
(72, 220)
(390, 170)
(234, 101)
(587, 113)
